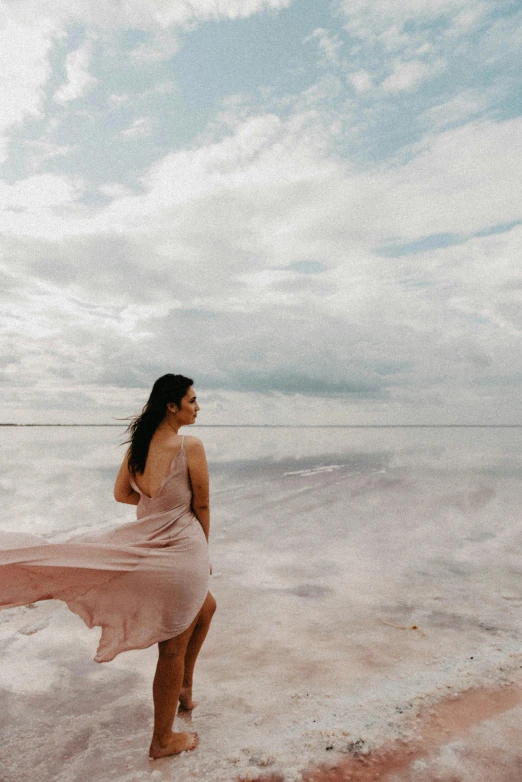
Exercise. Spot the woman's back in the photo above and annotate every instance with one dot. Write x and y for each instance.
(161, 454)
(164, 485)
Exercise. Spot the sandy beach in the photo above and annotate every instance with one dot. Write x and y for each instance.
(368, 622)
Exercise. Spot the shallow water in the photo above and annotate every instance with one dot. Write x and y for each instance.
(328, 546)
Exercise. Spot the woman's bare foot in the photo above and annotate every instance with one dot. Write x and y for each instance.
(178, 742)
(185, 699)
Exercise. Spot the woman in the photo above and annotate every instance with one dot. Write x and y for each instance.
(146, 581)
(165, 473)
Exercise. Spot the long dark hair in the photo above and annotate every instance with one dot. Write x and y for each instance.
(168, 388)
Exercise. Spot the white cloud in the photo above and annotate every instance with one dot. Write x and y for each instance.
(168, 13)
(462, 180)
(446, 320)
(361, 80)
(79, 80)
(27, 28)
(139, 128)
(39, 152)
(392, 38)
(135, 14)
(40, 191)
(328, 44)
(25, 70)
(210, 248)
(282, 178)
(415, 39)
(261, 154)
(407, 76)
(466, 19)
(115, 190)
(43, 204)
(405, 31)
(118, 99)
(457, 110)
(161, 46)
(368, 19)
(160, 88)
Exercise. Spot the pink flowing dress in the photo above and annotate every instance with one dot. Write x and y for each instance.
(142, 582)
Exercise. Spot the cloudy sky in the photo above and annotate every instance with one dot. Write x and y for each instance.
(312, 208)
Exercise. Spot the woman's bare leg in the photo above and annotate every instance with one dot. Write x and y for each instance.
(165, 691)
(194, 645)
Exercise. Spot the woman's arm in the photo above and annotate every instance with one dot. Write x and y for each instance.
(123, 491)
(198, 472)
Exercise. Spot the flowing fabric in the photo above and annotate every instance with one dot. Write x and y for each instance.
(142, 582)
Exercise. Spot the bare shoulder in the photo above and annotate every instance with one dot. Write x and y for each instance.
(196, 461)
(196, 456)
(193, 443)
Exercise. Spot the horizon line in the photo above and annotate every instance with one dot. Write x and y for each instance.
(295, 426)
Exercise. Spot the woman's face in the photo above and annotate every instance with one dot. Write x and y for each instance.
(187, 413)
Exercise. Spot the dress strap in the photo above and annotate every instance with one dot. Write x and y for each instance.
(182, 440)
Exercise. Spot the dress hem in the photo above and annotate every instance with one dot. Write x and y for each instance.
(98, 658)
